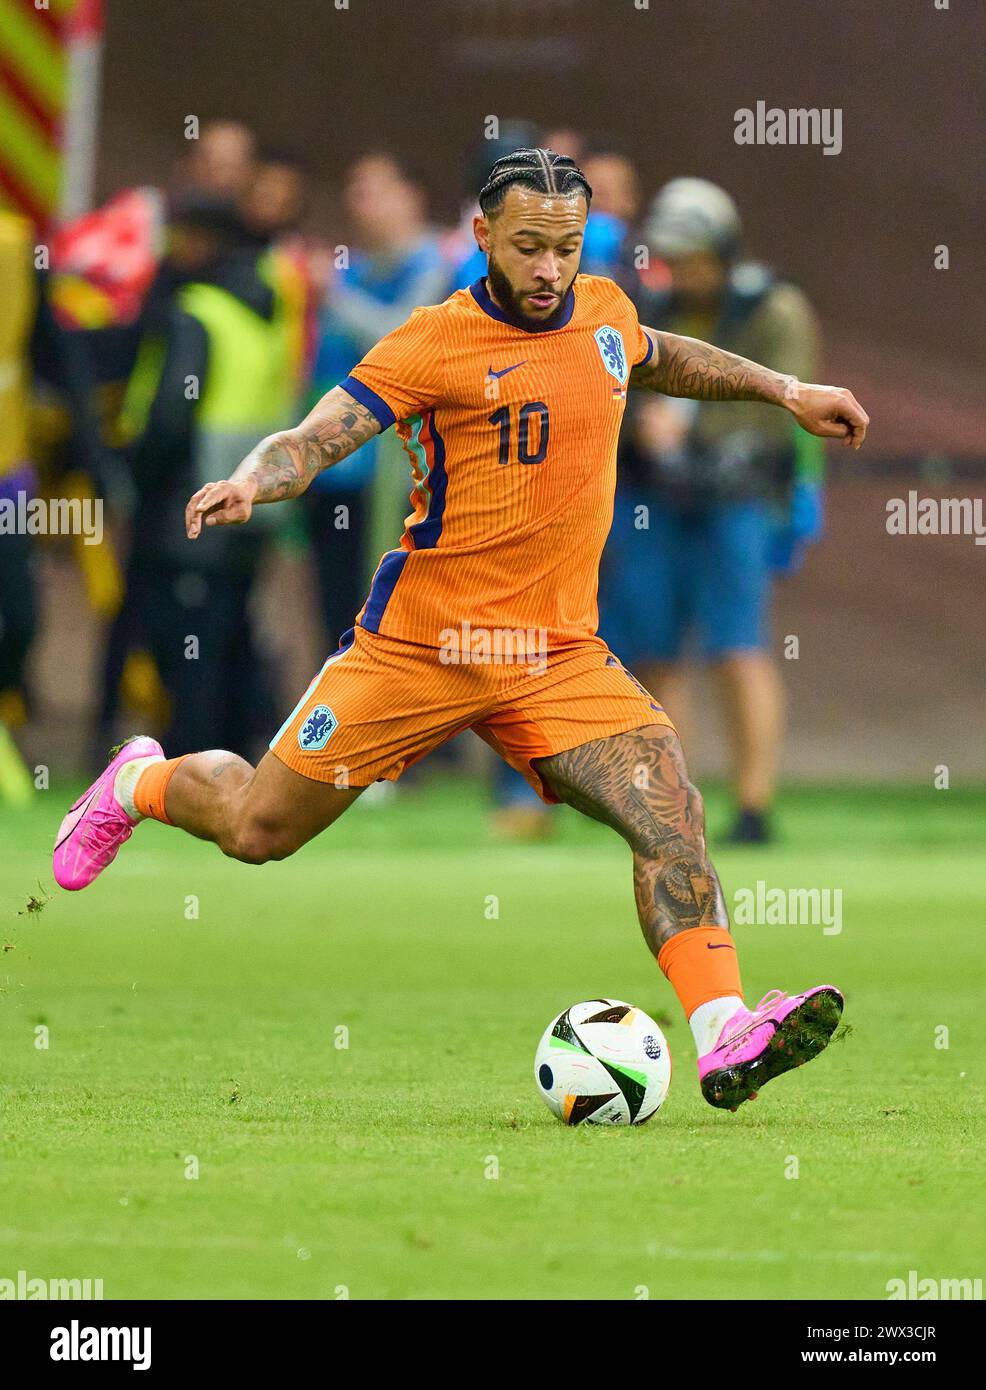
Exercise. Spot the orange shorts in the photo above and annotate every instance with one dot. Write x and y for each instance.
(379, 704)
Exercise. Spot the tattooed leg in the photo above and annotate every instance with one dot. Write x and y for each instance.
(638, 784)
(252, 814)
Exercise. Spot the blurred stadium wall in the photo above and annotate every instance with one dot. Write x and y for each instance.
(858, 230)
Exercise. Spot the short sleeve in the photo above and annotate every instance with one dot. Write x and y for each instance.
(403, 374)
(645, 345)
(639, 345)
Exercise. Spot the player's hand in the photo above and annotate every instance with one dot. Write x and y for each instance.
(219, 504)
(829, 411)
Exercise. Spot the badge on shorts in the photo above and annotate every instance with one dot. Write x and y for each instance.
(609, 341)
(317, 729)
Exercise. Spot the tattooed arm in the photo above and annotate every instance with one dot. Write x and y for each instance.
(282, 465)
(686, 367)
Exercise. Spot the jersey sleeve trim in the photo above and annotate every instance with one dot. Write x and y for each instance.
(650, 350)
(369, 398)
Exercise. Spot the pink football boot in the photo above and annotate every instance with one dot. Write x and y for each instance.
(97, 825)
(783, 1031)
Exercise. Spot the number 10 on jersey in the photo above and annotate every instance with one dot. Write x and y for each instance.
(535, 411)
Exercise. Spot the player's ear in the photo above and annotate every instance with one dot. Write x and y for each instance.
(481, 231)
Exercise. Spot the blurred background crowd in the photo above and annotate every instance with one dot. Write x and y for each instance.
(161, 333)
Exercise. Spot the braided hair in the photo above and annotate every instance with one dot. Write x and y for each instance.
(542, 170)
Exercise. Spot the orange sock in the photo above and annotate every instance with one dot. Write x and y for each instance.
(152, 785)
(701, 964)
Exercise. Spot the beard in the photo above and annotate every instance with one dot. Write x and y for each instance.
(512, 303)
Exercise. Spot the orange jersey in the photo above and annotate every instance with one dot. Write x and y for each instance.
(511, 433)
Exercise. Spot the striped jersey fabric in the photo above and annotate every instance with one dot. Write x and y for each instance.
(511, 433)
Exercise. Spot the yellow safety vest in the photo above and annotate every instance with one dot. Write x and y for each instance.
(18, 306)
(249, 390)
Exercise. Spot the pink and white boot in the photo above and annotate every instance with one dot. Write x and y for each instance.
(755, 1045)
(97, 825)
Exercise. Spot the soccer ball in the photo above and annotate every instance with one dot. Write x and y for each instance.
(603, 1061)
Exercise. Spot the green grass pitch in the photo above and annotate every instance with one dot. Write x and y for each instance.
(419, 1162)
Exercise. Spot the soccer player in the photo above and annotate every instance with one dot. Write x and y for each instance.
(508, 398)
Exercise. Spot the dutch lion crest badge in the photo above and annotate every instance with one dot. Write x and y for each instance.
(609, 341)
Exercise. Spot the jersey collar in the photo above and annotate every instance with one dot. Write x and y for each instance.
(481, 295)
